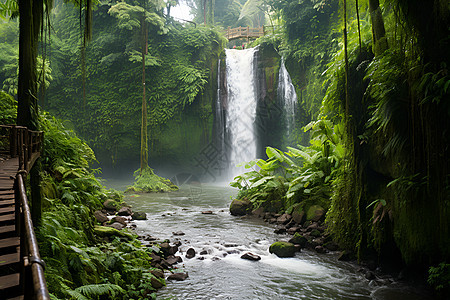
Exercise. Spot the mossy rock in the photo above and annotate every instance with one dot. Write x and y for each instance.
(315, 213)
(299, 240)
(104, 231)
(241, 207)
(282, 249)
(111, 204)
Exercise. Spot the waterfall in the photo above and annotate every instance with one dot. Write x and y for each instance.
(287, 96)
(241, 107)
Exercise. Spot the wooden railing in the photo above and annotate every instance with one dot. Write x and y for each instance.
(244, 32)
(18, 141)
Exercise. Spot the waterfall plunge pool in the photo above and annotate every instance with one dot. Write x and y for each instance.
(306, 276)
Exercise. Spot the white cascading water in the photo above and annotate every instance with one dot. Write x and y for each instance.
(288, 96)
(241, 113)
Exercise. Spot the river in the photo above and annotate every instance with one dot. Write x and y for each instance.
(224, 275)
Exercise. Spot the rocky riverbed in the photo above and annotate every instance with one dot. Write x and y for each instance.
(214, 255)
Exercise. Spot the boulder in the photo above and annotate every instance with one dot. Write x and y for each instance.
(332, 246)
(173, 250)
(139, 216)
(158, 273)
(178, 276)
(298, 239)
(190, 253)
(369, 275)
(172, 260)
(315, 233)
(156, 283)
(282, 249)
(155, 258)
(105, 231)
(284, 219)
(312, 227)
(178, 233)
(116, 225)
(149, 238)
(346, 255)
(293, 230)
(165, 247)
(110, 204)
(298, 216)
(315, 213)
(207, 212)
(120, 220)
(320, 249)
(125, 211)
(100, 216)
(240, 207)
(280, 230)
(251, 256)
(259, 212)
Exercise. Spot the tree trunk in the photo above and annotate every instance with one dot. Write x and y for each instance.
(144, 133)
(30, 19)
(380, 43)
(27, 88)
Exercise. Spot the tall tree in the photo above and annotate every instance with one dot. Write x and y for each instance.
(380, 43)
(144, 132)
(32, 14)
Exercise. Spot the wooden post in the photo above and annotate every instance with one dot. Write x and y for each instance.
(20, 147)
(13, 141)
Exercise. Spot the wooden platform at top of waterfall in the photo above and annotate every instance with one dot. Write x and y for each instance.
(244, 32)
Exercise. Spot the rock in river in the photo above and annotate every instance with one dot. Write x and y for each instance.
(282, 249)
(240, 207)
(298, 239)
(190, 253)
(178, 276)
(251, 256)
(139, 216)
(125, 211)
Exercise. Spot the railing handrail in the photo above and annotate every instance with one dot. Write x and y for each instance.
(30, 250)
(244, 32)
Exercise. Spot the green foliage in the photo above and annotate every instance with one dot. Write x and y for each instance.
(8, 107)
(146, 181)
(80, 265)
(181, 67)
(439, 278)
(302, 174)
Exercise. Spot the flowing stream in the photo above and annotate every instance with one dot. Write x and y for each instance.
(222, 274)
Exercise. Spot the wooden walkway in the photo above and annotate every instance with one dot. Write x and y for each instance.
(21, 268)
(9, 239)
(244, 33)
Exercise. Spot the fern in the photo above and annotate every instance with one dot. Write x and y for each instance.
(92, 291)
